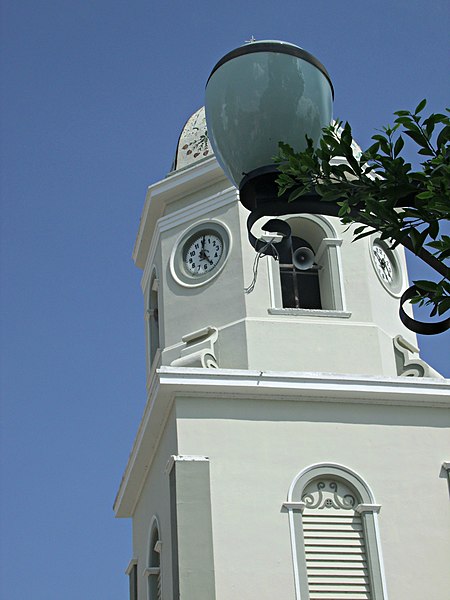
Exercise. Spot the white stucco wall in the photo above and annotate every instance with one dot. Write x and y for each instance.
(154, 501)
(256, 447)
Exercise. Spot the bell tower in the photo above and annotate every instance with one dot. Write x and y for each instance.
(208, 299)
(290, 424)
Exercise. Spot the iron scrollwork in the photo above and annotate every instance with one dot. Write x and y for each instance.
(327, 496)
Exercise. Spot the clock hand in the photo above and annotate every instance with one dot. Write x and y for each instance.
(204, 256)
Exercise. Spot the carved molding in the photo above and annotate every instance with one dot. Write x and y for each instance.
(408, 362)
(368, 508)
(300, 506)
(198, 350)
(328, 494)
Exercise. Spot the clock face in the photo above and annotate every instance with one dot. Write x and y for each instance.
(387, 266)
(383, 264)
(202, 253)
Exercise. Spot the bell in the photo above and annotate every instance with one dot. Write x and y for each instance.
(303, 258)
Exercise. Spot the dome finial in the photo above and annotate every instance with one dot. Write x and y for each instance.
(193, 144)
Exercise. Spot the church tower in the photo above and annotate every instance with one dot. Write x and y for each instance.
(293, 445)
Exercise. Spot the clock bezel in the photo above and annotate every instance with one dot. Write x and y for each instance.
(395, 286)
(177, 263)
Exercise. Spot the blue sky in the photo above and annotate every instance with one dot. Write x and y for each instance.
(94, 96)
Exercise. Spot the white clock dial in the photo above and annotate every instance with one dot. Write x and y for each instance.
(202, 253)
(383, 264)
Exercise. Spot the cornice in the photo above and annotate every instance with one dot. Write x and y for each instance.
(170, 382)
(410, 391)
(177, 185)
(196, 210)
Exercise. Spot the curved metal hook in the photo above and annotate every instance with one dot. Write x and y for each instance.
(273, 226)
(420, 326)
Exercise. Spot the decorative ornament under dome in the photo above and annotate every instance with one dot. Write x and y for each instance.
(193, 144)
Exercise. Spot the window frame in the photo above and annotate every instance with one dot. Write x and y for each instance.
(367, 509)
(328, 258)
(153, 330)
(151, 570)
(131, 571)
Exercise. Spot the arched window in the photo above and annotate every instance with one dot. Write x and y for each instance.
(334, 535)
(153, 571)
(315, 284)
(153, 341)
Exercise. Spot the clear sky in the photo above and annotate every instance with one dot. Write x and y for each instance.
(94, 95)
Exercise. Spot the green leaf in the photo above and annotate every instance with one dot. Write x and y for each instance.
(379, 138)
(363, 235)
(425, 195)
(444, 306)
(404, 121)
(426, 152)
(417, 239)
(398, 146)
(420, 106)
(418, 137)
(300, 191)
(427, 286)
(443, 137)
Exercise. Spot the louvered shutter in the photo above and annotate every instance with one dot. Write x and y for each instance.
(154, 572)
(158, 587)
(335, 553)
(154, 583)
(334, 543)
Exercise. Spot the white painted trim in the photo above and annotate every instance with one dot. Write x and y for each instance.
(168, 382)
(366, 508)
(295, 506)
(195, 210)
(294, 555)
(310, 312)
(198, 209)
(348, 388)
(363, 508)
(330, 465)
(153, 368)
(329, 251)
(150, 259)
(323, 222)
(446, 467)
(273, 272)
(183, 458)
(151, 571)
(327, 243)
(142, 437)
(181, 240)
(154, 524)
(340, 268)
(131, 564)
(380, 556)
(159, 195)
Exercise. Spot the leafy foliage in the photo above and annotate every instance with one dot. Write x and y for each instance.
(381, 191)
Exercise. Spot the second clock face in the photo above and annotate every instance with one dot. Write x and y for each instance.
(383, 264)
(386, 265)
(202, 253)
